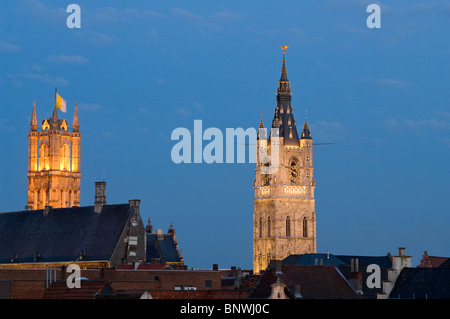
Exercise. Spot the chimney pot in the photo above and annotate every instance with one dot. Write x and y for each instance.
(47, 209)
(215, 267)
(401, 251)
(134, 202)
(100, 196)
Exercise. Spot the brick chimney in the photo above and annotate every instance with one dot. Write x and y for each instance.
(100, 196)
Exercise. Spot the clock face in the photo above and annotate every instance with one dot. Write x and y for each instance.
(293, 173)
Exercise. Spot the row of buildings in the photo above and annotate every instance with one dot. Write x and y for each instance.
(120, 257)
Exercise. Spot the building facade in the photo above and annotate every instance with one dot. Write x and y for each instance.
(53, 162)
(284, 219)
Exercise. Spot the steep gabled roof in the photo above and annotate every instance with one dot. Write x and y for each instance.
(61, 235)
(88, 290)
(316, 282)
(422, 283)
(161, 246)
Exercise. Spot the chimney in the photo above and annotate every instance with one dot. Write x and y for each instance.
(278, 267)
(355, 280)
(100, 196)
(238, 279)
(28, 208)
(401, 251)
(134, 203)
(215, 267)
(297, 290)
(47, 209)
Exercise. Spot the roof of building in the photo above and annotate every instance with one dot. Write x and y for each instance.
(162, 246)
(422, 283)
(88, 290)
(62, 234)
(199, 294)
(431, 261)
(315, 282)
(384, 262)
(313, 259)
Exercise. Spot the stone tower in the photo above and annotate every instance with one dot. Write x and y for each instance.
(284, 219)
(53, 162)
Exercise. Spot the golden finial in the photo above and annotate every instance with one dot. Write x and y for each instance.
(284, 48)
(305, 114)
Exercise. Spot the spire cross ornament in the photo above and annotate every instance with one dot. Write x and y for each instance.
(284, 48)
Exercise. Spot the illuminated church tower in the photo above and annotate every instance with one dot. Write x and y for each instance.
(284, 219)
(53, 162)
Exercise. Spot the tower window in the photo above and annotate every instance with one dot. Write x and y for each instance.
(43, 157)
(268, 226)
(305, 227)
(260, 227)
(288, 227)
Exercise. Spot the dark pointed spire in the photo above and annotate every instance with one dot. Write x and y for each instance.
(284, 86)
(261, 132)
(149, 227)
(283, 117)
(171, 229)
(54, 115)
(283, 66)
(33, 123)
(306, 133)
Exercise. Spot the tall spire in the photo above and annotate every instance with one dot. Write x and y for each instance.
(284, 86)
(76, 122)
(54, 118)
(283, 118)
(33, 123)
(283, 66)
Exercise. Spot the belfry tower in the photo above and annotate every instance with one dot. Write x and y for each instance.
(53, 162)
(284, 219)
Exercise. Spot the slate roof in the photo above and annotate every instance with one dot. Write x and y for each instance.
(61, 234)
(422, 283)
(311, 259)
(316, 282)
(337, 260)
(88, 290)
(161, 246)
(384, 262)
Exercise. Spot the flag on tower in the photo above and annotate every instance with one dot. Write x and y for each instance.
(60, 103)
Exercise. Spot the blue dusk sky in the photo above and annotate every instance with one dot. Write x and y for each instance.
(140, 69)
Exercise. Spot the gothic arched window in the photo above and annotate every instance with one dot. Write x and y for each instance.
(288, 227)
(65, 158)
(43, 157)
(305, 227)
(268, 226)
(260, 227)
